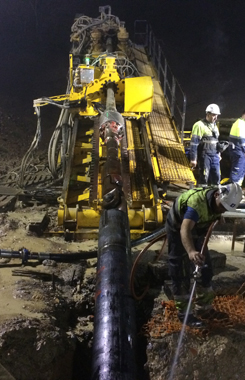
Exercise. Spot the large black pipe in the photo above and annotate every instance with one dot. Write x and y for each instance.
(114, 321)
(114, 324)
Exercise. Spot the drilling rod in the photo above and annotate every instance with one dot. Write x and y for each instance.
(114, 323)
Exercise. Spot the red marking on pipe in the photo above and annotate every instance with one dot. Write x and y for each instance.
(97, 294)
(101, 269)
(114, 126)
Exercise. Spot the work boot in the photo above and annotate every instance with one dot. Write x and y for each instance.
(204, 298)
(182, 304)
(212, 314)
(191, 321)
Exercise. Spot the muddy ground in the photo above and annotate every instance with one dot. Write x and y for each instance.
(46, 308)
(47, 320)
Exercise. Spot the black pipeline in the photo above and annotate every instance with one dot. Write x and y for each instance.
(114, 320)
(26, 255)
(114, 323)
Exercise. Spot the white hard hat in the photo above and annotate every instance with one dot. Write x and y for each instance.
(213, 108)
(230, 196)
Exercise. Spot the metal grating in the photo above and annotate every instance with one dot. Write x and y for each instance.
(137, 164)
(172, 161)
(170, 154)
(138, 182)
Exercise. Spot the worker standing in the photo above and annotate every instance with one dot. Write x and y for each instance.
(237, 150)
(204, 148)
(187, 224)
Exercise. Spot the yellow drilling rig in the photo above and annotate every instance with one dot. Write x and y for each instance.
(117, 146)
(105, 66)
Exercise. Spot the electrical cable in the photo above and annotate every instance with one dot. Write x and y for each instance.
(34, 144)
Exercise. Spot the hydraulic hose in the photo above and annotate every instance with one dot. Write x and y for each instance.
(208, 236)
(148, 237)
(136, 262)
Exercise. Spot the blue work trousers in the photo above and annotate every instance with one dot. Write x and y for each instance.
(237, 166)
(209, 169)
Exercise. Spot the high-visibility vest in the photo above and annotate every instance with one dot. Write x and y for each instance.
(200, 200)
(237, 135)
(204, 139)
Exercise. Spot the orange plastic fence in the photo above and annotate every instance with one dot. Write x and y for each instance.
(167, 322)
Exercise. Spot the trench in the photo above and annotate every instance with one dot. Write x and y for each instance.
(84, 348)
(53, 338)
(50, 334)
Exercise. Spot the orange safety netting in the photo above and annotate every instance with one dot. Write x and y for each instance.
(167, 322)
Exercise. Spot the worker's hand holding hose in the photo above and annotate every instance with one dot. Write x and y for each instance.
(197, 258)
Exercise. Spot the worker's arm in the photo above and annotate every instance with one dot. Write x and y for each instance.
(196, 137)
(187, 241)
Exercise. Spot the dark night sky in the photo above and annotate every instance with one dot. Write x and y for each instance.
(202, 40)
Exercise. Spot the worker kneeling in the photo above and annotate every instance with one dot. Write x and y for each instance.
(187, 224)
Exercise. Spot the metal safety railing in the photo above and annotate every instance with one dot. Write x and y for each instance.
(174, 95)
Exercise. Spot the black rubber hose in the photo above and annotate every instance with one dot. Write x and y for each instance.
(25, 255)
(136, 262)
(148, 237)
(69, 257)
